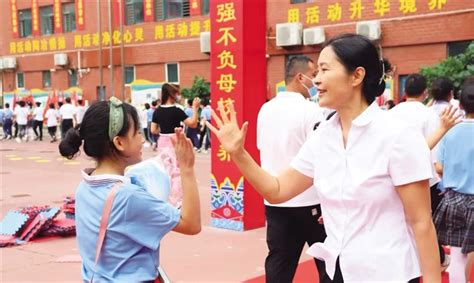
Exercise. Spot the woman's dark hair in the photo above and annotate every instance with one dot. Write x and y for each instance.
(38, 103)
(441, 89)
(51, 105)
(21, 103)
(147, 106)
(167, 91)
(354, 51)
(94, 130)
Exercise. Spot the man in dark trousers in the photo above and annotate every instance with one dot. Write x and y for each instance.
(284, 123)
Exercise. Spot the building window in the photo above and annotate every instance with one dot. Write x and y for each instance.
(25, 22)
(401, 86)
(133, 12)
(172, 73)
(129, 74)
(47, 20)
(458, 47)
(170, 9)
(46, 79)
(20, 80)
(69, 17)
(205, 7)
(72, 77)
(298, 1)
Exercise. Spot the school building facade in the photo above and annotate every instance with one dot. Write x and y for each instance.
(53, 45)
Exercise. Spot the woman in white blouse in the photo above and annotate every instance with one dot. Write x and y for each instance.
(370, 170)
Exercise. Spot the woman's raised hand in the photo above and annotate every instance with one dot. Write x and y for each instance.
(231, 137)
(183, 148)
(449, 118)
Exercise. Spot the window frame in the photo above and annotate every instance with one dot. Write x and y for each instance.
(135, 4)
(177, 72)
(45, 18)
(17, 81)
(21, 25)
(66, 11)
(125, 74)
(44, 78)
(70, 74)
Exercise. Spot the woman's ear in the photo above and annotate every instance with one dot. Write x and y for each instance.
(358, 76)
(118, 143)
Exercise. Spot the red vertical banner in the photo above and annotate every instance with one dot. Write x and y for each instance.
(35, 19)
(14, 11)
(238, 75)
(195, 7)
(148, 11)
(117, 5)
(80, 15)
(58, 17)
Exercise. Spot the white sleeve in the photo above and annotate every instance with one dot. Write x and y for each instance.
(409, 159)
(303, 162)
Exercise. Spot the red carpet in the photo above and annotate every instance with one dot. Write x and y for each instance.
(307, 273)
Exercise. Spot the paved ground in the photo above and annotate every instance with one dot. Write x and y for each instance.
(33, 173)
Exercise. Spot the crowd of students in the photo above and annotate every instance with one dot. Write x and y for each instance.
(26, 116)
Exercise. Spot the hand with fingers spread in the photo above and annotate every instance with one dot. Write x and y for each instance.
(231, 137)
(196, 103)
(183, 148)
(449, 118)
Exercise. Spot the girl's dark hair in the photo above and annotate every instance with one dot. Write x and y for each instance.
(94, 130)
(21, 103)
(354, 51)
(167, 91)
(51, 105)
(441, 88)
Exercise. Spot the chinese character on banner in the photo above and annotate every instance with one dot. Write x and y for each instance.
(27, 46)
(381, 7)
(170, 31)
(194, 28)
(105, 38)
(77, 41)
(334, 12)
(127, 37)
(226, 83)
(61, 43)
(436, 4)
(20, 47)
(159, 32)
(182, 29)
(86, 40)
(35, 21)
(58, 28)
(225, 12)
(14, 22)
(12, 48)
(139, 35)
(206, 25)
(95, 39)
(80, 16)
(226, 60)
(407, 6)
(195, 8)
(294, 15)
(44, 45)
(35, 45)
(222, 154)
(356, 9)
(226, 103)
(226, 36)
(312, 15)
(53, 43)
(117, 37)
(148, 11)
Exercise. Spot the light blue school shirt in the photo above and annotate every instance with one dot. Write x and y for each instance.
(149, 115)
(456, 153)
(7, 114)
(188, 111)
(206, 113)
(137, 223)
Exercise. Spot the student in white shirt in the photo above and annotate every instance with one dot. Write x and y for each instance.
(442, 91)
(370, 171)
(38, 121)
(283, 125)
(68, 117)
(20, 115)
(52, 121)
(80, 111)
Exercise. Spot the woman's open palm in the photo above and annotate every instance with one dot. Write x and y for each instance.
(231, 137)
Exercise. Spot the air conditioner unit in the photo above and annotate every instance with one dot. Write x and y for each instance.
(288, 34)
(312, 36)
(9, 63)
(1, 63)
(370, 29)
(60, 59)
(205, 42)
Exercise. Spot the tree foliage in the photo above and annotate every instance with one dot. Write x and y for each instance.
(200, 88)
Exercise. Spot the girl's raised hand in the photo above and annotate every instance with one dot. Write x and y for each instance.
(231, 137)
(449, 118)
(183, 148)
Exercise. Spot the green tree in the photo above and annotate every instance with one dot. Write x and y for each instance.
(200, 88)
(456, 68)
